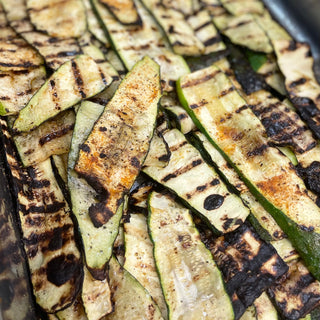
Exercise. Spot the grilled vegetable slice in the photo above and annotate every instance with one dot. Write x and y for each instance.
(229, 124)
(111, 157)
(139, 260)
(51, 137)
(74, 312)
(134, 42)
(296, 63)
(198, 184)
(124, 10)
(97, 242)
(130, 299)
(48, 232)
(73, 81)
(191, 282)
(61, 19)
(241, 7)
(185, 6)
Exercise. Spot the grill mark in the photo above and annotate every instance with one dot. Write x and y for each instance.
(178, 146)
(55, 97)
(211, 41)
(63, 54)
(137, 48)
(49, 208)
(202, 26)
(182, 170)
(298, 82)
(55, 135)
(257, 151)
(78, 79)
(25, 65)
(226, 92)
(197, 81)
(242, 23)
(200, 104)
(244, 107)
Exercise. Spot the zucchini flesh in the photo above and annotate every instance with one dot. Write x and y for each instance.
(61, 19)
(264, 308)
(177, 29)
(131, 300)
(198, 184)
(96, 297)
(231, 126)
(111, 157)
(238, 8)
(48, 232)
(191, 282)
(124, 10)
(73, 312)
(132, 43)
(214, 7)
(296, 63)
(73, 81)
(97, 242)
(185, 6)
(50, 138)
(139, 260)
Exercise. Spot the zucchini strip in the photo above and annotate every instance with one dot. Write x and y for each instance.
(198, 184)
(75, 80)
(231, 126)
(131, 300)
(61, 19)
(139, 260)
(48, 232)
(191, 282)
(111, 157)
(125, 11)
(132, 43)
(241, 7)
(73, 312)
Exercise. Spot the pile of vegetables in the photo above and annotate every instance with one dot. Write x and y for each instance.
(159, 160)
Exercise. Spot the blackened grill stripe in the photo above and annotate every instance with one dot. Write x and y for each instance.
(242, 23)
(178, 146)
(197, 81)
(182, 170)
(202, 26)
(298, 82)
(211, 41)
(26, 65)
(55, 135)
(63, 54)
(226, 92)
(78, 78)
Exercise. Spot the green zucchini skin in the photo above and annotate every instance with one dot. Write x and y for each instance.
(132, 43)
(226, 211)
(47, 230)
(85, 78)
(130, 299)
(191, 282)
(112, 156)
(282, 192)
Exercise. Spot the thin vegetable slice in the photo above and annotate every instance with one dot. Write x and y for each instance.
(240, 7)
(111, 157)
(191, 282)
(75, 80)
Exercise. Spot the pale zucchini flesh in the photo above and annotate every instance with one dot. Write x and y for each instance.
(240, 7)
(126, 128)
(75, 80)
(231, 126)
(73, 312)
(197, 184)
(191, 282)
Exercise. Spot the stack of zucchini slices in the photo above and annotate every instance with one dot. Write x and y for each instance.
(159, 160)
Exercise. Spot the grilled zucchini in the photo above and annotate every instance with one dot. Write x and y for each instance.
(191, 282)
(111, 157)
(230, 125)
(240, 7)
(75, 80)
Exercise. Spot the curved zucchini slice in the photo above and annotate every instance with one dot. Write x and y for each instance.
(125, 11)
(75, 80)
(73, 312)
(191, 282)
(50, 138)
(232, 127)
(132, 43)
(131, 300)
(139, 259)
(61, 19)
(111, 157)
(198, 184)
(241, 7)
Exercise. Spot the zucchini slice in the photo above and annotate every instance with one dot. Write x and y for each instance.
(52, 137)
(241, 7)
(139, 260)
(230, 125)
(96, 296)
(111, 157)
(48, 232)
(61, 19)
(73, 312)
(125, 11)
(296, 63)
(191, 282)
(198, 184)
(97, 242)
(75, 80)
(132, 43)
(185, 6)
(131, 300)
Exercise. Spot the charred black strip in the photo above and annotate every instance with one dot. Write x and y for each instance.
(198, 81)
(178, 146)
(100, 214)
(212, 41)
(242, 23)
(56, 134)
(202, 26)
(50, 208)
(78, 79)
(297, 82)
(63, 54)
(257, 151)
(225, 92)
(25, 65)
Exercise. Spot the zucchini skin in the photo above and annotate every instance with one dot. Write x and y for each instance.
(306, 239)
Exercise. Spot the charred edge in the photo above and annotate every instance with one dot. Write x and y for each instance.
(258, 151)
(311, 176)
(55, 135)
(100, 214)
(182, 170)
(78, 79)
(98, 274)
(197, 81)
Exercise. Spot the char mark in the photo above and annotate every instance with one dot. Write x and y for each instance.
(78, 79)
(197, 81)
